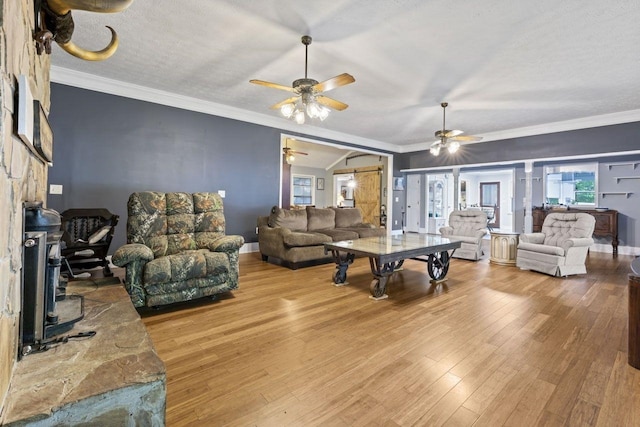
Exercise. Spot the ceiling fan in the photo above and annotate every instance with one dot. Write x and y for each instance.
(289, 153)
(449, 139)
(308, 93)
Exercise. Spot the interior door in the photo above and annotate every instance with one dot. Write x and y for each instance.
(490, 198)
(413, 203)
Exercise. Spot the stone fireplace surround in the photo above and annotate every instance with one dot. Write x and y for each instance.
(112, 378)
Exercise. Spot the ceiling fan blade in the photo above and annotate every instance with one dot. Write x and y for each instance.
(273, 85)
(331, 103)
(334, 82)
(466, 138)
(286, 101)
(446, 133)
(452, 133)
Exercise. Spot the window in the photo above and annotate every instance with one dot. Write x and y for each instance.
(571, 184)
(302, 190)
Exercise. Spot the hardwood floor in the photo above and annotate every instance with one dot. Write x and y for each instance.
(492, 346)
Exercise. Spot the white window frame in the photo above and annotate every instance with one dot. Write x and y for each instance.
(313, 189)
(571, 167)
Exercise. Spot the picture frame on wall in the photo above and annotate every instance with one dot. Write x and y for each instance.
(25, 111)
(319, 183)
(398, 183)
(42, 133)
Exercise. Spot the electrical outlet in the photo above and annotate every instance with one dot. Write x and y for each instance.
(395, 222)
(256, 230)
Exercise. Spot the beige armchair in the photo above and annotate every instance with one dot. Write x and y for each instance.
(469, 227)
(561, 248)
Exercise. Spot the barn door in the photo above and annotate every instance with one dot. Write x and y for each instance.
(367, 195)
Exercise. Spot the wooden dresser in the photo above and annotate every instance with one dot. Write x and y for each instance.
(606, 223)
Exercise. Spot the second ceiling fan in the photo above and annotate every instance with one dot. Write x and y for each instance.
(449, 139)
(308, 92)
(290, 153)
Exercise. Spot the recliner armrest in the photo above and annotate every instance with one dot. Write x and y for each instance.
(227, 243)
(577, 242)
(271, 232)
(131, 252)
(481, 233)
(537, 238)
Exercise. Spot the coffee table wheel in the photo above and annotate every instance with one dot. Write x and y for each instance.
(340, 277)
(377, 288)
(438, 265)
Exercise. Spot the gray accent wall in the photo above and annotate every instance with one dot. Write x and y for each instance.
(603, 139)
(107, 147)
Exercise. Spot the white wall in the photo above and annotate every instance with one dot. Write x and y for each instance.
(506, 180)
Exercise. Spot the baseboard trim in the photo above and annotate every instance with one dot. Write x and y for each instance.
(249, 247)
(622, 250)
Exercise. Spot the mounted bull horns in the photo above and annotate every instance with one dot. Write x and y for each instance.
(58, 25)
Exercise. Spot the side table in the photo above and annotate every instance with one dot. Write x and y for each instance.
(504, 245)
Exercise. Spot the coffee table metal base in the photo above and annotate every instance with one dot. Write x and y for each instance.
(437, 267)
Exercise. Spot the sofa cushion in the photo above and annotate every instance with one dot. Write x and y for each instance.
(294, 220)
(348, 217)
(338, 235)
(320, 218)
(299, 239)
(365, 231)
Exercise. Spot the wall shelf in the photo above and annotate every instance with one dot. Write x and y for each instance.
(633, 164)
(618, 178)
(616, 193)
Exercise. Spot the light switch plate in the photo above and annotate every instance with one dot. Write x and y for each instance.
(222, 193)
(55, 189)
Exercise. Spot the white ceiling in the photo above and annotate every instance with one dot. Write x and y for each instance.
(506, 68)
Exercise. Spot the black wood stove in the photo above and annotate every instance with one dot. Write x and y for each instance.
(46, 309)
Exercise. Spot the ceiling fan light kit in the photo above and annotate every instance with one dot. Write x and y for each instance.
(449, 139)
(289, 153)
(309, 101)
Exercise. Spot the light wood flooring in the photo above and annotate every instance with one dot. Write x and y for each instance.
(492, 346)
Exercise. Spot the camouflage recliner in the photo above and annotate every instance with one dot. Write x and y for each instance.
(177, 249)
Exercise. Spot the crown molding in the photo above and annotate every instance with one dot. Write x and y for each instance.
(81, 80)
(529, 163)
(87, 81)
(564, 126)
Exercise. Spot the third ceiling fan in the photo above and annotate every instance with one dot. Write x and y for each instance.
(449, 139)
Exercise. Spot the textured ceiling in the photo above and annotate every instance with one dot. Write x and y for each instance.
(506, 68)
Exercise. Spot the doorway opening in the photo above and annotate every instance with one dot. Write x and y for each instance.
(491, 191)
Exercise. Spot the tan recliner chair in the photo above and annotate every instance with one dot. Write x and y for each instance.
(560, 249)
(469, 227)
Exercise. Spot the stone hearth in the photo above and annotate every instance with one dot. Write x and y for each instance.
(113, 378)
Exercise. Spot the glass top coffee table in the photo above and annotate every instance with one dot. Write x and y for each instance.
(387, 254)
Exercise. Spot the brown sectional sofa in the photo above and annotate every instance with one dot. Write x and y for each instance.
(298, 236)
